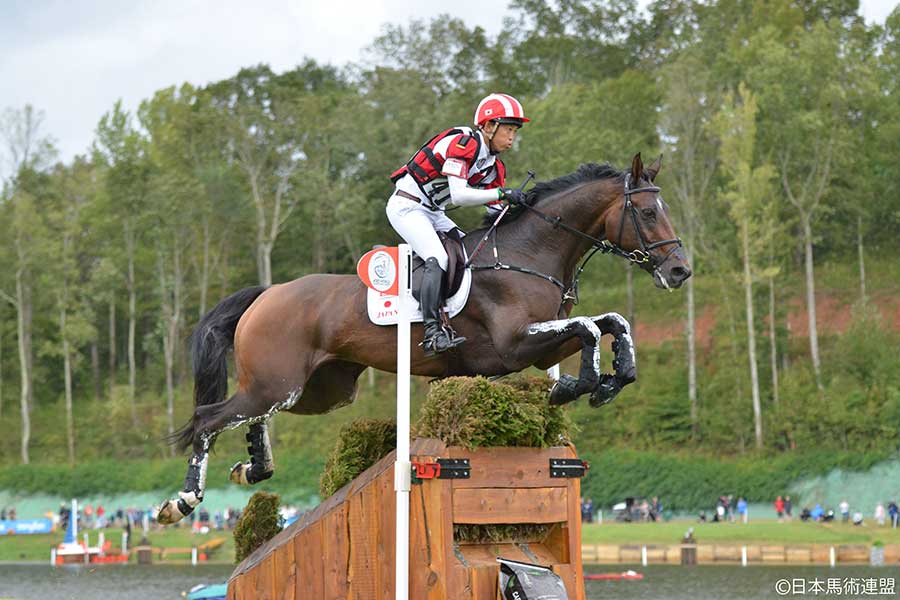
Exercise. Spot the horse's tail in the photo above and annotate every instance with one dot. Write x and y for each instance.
(210, 343)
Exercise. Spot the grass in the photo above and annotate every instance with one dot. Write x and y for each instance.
(36, 548)
(757, 532)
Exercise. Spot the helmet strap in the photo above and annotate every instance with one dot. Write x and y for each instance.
(489, 135)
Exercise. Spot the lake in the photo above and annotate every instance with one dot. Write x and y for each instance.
(165, 582)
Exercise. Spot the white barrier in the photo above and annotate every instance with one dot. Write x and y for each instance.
(402, 471)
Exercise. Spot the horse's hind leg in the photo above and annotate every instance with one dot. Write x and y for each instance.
(261, 465)
(191, 494)
(209, 421)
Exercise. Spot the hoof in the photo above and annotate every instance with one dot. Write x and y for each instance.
(244, 473)
(564, 390)
(169, 513)
(608, 389)
(238, 473)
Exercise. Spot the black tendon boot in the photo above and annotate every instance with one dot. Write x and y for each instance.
(437, 339)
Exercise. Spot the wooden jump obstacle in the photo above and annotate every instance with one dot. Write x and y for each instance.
(345, 547)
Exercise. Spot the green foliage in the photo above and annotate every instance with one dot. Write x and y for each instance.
(259, 523)
(688, 482)
(473, 412)
(360, 445)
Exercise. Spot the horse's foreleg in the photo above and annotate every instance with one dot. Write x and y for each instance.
(568, 388)
(261, 465)
(624, 362)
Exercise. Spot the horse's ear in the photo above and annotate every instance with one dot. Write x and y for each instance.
(653, 169)
(637, 169)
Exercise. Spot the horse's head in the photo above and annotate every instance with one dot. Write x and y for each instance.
(638, 223)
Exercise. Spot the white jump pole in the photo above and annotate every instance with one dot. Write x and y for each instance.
(553, 372)
(402, 470)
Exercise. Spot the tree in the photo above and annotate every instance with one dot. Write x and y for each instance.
(28, 152)
(120, 149)
(687, 113)
(804, 114)
(749, 187)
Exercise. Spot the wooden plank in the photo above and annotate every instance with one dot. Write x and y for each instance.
(285, 573)
(427, 447)
(310, 563)
(235, 587)
(428, 548)
(264, 588)
(570, 580)
(336, 553)
(483, 582)
(573, 504)
(362, 528)
(386, 544)
(509, 505)
(557, 541)
(509, 467)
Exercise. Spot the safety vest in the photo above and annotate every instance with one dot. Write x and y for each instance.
(425, 167)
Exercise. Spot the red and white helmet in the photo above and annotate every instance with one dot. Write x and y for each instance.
(502, 108)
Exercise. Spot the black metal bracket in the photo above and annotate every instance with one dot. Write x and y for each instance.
(443, 468)
(567, 467)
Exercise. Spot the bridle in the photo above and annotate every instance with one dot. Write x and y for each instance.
(640, 256)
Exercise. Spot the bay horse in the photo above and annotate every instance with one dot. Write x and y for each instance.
(300, 346)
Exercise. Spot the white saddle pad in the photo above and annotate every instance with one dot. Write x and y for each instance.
(383, 307)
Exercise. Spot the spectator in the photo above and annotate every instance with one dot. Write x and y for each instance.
(702, 516)
(11, 514)
(857, 518)
(742, 509)
(645, 510)
(779, 508)
(817, 512)
(788, 507)
(805, 515)
(586, 510)
(879, 514)
(3, 514)
(893, 513)
(844, 507)
(655, 508)
(731, 507)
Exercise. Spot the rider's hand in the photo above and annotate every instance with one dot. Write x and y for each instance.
(513, 195)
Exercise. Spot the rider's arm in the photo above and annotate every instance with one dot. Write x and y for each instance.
(463, 195)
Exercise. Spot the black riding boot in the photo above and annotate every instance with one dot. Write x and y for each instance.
(437, 339)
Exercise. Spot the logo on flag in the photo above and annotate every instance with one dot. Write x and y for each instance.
(378, 270)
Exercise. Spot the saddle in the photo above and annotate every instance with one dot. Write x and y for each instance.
(456, 264)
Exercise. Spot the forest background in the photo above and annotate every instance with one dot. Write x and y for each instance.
(780, 129)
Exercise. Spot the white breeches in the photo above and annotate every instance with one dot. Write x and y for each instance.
(417, 226)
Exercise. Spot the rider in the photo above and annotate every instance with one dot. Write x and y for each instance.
(458, 166)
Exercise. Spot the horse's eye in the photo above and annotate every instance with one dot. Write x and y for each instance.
(648, 213)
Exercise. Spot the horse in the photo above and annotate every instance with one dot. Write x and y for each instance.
(300, 346)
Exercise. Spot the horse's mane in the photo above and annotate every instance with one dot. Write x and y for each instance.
(544, 189)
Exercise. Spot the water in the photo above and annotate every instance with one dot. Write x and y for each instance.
(165, 582)
(131, 582)
(715, 582)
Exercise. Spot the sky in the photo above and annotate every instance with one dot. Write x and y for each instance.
(73, 60)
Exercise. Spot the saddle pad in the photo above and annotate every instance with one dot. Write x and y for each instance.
(383, 310)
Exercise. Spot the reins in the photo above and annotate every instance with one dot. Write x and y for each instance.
(602, 245)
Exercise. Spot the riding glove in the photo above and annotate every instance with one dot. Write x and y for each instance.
(513, 195)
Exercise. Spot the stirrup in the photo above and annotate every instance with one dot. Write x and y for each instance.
(441, 341)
